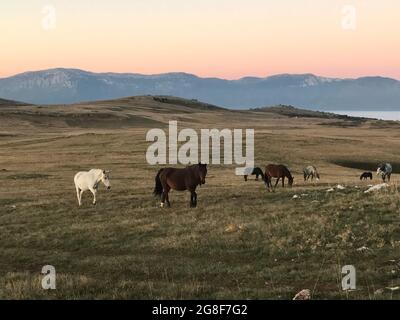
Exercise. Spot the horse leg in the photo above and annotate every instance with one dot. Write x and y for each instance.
(277, 181)
(389, 177)
(94, 192)
(78, 194)
(167, 197)
(257, 177)
(283, 182)
(245, 178)
(163, 197)
(194, 199)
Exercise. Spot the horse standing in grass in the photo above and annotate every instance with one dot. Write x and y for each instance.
(279, 172)
(90, 181)
(385, 171)
(180, 179)
(253, 172)
(366, 175)
(312, 172)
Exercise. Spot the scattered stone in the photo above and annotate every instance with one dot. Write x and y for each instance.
(233, 228)
(377, 187)
(330, 190)
(393, 288)
(340, 187)
(378, 292)
(303, 295)
(296, 196)
(362, 249)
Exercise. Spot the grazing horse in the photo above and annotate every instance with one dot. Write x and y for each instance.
(312, 172)
(253, 172)
(180, 179)
(279, 172)
(90, 181)
(366, 175)
(385, 171)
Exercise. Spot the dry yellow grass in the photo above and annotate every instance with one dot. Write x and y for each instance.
(127, 247)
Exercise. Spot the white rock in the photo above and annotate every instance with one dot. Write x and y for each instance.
(340, 187)
(377, 187)
(393, 288)
(303, 295)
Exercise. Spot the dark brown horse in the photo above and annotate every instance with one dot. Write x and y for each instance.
(366, 175)
(180, 179)
(279, 172)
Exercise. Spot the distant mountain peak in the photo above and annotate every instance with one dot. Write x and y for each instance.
(69, 85)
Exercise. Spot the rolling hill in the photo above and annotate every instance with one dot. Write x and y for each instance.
(4, 102)
(67, 86)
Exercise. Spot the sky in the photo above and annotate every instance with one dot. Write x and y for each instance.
(210, 38)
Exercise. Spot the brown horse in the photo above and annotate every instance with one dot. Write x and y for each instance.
(180, 179)
(279, 172)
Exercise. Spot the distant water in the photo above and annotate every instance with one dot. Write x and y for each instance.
(381, 115)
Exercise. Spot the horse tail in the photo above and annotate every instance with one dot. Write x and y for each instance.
(158, 189)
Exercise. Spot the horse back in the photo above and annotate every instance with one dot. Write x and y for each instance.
(178, 179)
(277, 171)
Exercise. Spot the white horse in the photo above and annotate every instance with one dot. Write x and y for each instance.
(90, 181)
(385, 171)
(312, 172)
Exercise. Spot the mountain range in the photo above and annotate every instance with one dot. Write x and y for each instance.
(67, 86)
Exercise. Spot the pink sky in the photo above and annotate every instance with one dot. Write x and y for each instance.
(221, 38)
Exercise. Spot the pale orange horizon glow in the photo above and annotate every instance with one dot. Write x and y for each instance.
(210, 38)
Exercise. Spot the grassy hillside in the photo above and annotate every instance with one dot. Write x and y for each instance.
(241, 241)
(4, 102)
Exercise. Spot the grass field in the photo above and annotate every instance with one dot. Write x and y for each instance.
(240, 243)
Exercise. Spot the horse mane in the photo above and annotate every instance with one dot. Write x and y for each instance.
(287, 172)
(258, 171)
(195, 168)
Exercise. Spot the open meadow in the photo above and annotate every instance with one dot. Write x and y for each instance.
(241, 242)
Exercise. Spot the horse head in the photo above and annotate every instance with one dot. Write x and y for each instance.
(105, 178)
(202, 172)
(381, 169)
(291, 179)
